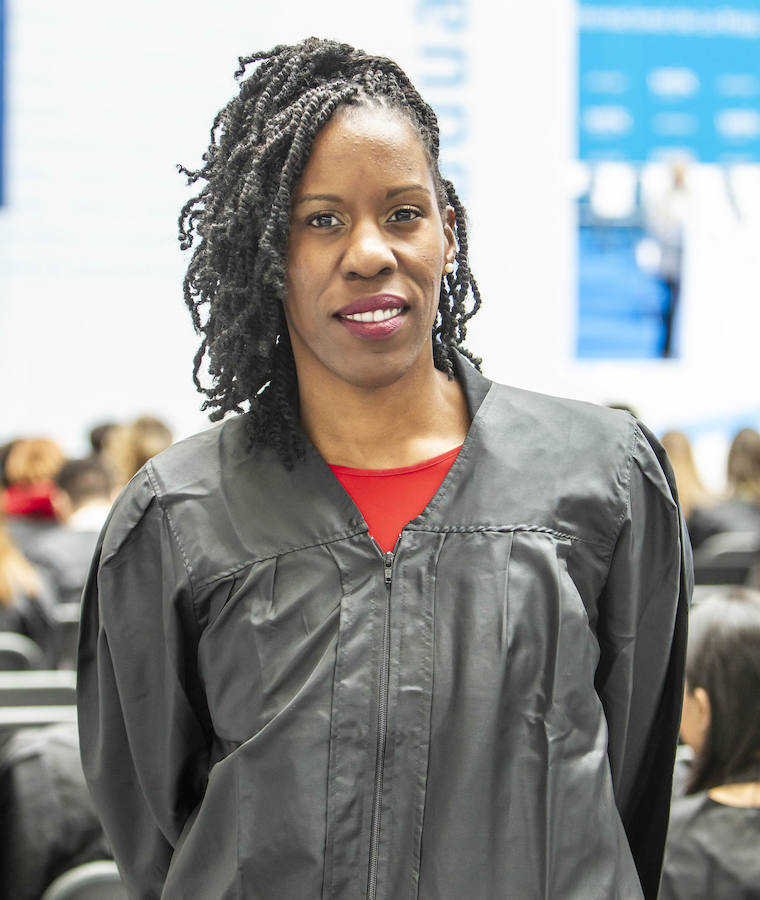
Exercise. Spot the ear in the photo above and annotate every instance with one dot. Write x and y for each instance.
(449, 227)
(702, 700)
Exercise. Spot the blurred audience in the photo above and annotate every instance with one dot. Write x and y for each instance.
(31, 466)
(51, 513)
(98, 436)
(740, 511)
(691, 492)
(82, 504)
(5, 449)
(126, 448)
(714, 835)
(49, 822)
(25, 599)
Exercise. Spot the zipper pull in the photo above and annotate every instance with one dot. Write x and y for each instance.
(388, 559)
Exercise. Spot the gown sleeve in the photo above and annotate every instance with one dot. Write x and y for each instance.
(144, 744)
(642, 635)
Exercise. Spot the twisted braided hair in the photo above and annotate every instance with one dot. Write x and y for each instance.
(260, 144)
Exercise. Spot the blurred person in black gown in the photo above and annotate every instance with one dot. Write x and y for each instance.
(82, 504)
(48, 822)
(712, 851)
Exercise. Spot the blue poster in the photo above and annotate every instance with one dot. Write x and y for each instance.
(658, 80)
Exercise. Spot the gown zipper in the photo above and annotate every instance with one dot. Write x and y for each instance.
(382, 731)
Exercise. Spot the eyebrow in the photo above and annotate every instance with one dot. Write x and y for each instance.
(335, 198)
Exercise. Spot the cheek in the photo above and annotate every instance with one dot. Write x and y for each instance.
(692, 732)
(301, 288)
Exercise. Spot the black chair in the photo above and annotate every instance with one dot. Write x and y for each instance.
(91, 881)
(67, 617)
(19, 652)
(42, 687)
(726, 558)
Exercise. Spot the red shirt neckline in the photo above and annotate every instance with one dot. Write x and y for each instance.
(401, 470)
(390, 498)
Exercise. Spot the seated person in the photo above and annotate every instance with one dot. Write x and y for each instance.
(48, 820)
(83, 503)
(126, 448)
(691, 491)
(714, 835)
(29, 470)
(740, 511)
(25, 598)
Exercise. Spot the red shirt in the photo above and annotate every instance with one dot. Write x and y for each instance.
(390, 498)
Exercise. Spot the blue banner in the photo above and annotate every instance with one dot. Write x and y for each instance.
(659, 80)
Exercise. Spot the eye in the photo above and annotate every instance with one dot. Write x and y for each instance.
(405, 214)
(323, 220)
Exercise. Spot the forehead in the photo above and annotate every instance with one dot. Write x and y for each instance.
(362, 142)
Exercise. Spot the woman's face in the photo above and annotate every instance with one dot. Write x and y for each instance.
(366, 253)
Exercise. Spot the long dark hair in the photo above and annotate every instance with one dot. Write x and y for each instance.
(260, 143)
(723, 658)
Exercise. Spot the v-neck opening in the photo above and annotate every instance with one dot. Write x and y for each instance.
(477, 389)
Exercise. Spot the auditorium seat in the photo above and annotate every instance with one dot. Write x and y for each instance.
(19, 652)
(726, 558)
(91, 881)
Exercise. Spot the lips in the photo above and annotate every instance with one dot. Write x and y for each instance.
(371, 304)
(373, 317)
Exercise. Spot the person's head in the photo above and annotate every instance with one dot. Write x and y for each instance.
(691, 491)
(721, 714)
(743, 465)
(322, 189)
(32, 460)
(84, 481)
(4, 451)
(128, 447)
(98, 436)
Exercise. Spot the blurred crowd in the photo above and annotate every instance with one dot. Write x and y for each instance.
(51, 514)
(53, 509)
(724, 529)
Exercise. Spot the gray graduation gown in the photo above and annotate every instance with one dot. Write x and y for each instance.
(271, 709)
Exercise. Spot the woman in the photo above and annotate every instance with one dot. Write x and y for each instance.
(25, 600)
(691, 491)
(397, 631)
(740, 510)
(126, 448)
(712, 848)
(28, 500)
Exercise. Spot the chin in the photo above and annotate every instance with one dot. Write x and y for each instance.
(375, 373)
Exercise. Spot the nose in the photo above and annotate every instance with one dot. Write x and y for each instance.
(368, 252)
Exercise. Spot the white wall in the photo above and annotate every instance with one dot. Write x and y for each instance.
(104, 99)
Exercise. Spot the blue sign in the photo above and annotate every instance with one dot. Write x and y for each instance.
(658, 80)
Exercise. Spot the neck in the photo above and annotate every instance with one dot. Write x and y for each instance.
(744, 796)
(421, 416)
